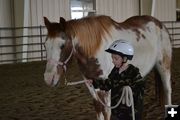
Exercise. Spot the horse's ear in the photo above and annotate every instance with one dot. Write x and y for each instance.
(62, 20)
(46, 21)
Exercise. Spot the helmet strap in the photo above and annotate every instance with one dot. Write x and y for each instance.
(123, 66)
(124, 61)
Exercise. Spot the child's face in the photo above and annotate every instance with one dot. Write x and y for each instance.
(117, 60)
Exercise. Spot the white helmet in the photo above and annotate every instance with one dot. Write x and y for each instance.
(122, 48)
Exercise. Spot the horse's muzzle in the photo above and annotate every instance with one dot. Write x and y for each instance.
(51, 79)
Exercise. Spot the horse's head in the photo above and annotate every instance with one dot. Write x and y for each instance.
(56, 42)
(84, 39)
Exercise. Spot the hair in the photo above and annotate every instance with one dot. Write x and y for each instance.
(90, 31)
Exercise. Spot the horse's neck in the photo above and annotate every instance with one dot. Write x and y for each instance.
(89, 67)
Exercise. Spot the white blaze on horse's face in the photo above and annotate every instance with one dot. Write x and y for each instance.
(53, 49)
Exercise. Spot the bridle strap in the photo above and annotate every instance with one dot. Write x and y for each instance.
(63, 64)
(60, 63)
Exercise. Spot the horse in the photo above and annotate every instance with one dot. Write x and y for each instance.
(87, 39)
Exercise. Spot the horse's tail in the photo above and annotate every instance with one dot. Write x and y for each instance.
(159, 92)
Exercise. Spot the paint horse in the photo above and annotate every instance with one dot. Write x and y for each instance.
(87, 38)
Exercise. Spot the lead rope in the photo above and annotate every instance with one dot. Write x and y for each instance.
(72, 83)
(126, 98)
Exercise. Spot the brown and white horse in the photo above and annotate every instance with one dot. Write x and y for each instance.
(87, 38)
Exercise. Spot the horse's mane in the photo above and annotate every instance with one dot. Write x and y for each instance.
(90, 32)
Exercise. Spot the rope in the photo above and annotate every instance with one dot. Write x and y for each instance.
(126, 98)
(74, 83)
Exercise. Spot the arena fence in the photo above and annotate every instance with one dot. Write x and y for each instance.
(22, 44)
(174, 31)
(26, 44)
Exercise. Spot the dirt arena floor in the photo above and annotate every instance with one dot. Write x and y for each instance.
(25, 96)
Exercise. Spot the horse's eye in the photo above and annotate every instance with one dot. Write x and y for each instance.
(62, 46)
(63, 36)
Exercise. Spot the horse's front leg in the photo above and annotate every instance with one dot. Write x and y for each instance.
(102, 113)
(107, 100)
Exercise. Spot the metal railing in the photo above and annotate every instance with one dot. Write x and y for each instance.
(11, 45)
(174, 31)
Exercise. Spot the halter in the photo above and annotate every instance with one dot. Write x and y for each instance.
(64, 66)
(60, 63)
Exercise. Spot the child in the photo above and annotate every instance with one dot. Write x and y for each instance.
(123, 74)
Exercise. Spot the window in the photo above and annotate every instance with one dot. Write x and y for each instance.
(82, 8)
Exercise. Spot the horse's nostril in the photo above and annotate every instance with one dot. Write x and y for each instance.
(55, 80)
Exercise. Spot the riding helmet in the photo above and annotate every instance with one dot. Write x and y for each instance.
(122, 48)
